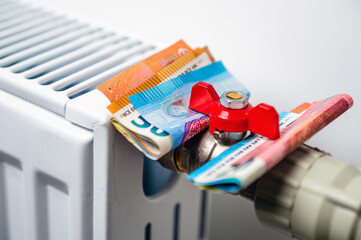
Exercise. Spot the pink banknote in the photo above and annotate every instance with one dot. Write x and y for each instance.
(246, 161)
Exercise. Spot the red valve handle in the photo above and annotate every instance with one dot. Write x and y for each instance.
(202, 96)
(261, 119)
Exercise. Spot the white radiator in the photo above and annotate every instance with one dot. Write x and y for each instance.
(65, 173)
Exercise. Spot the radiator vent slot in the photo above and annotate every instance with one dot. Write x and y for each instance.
(61, 54)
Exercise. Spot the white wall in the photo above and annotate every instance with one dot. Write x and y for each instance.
(285, 51)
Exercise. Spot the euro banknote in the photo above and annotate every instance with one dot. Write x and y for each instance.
(166, 105)
(243, 163)
(140, 72)
(182, 65)
(149, 139)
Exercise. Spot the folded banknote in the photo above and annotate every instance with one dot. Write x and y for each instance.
(243, 163)
(138, 73)
(166, 105)
(149, 139)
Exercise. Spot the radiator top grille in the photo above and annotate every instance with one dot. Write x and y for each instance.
(59, 55)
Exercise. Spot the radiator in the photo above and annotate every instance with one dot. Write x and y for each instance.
(65, 173)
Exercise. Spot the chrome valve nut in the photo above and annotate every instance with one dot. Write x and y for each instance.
(234, 100)
(228, 138)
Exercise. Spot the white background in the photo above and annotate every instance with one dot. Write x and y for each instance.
(286, 52)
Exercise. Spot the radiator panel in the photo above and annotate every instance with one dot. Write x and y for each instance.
(46, 166)
(12, 201)
(52, 208)
(70, 174)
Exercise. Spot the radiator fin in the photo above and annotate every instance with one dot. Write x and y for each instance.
(61, 54)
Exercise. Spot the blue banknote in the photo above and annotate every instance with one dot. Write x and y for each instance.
(166, 105)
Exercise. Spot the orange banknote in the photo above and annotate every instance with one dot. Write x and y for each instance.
(140, 72)
(159, 77)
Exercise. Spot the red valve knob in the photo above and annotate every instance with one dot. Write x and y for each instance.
(261, 119)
